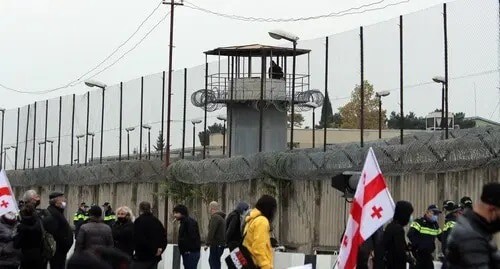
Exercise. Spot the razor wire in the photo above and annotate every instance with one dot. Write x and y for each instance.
(425, 152)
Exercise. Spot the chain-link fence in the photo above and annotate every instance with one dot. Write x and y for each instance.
(400, 55)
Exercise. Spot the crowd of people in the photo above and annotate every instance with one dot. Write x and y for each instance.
(467, 236)
(37, 237)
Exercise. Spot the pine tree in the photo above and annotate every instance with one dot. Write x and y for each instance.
(327, 115)
(160, 142)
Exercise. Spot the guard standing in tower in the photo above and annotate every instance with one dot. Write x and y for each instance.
(275, 71)
(109, 214)
(422, 235)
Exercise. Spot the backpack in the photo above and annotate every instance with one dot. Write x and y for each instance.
(48, 244)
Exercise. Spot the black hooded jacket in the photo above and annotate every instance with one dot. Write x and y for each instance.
(189, 234)
(394, 237)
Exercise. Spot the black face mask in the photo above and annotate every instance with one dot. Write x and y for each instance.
(122, 220)
(495, 226)
(37, 203)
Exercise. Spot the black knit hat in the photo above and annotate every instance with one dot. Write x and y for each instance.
(95, 211)
(491, 194)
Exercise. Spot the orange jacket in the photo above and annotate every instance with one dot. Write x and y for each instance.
(258, 239)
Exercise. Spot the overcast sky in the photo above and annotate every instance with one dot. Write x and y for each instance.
(45, 44)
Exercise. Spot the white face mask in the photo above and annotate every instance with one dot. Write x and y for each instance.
(63, 205)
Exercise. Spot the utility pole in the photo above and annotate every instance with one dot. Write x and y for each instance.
(170, 53)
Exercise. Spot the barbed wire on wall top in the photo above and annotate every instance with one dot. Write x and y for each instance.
(424, 152)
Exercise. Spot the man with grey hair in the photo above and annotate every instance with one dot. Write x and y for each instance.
(31, 197)
(216, 235)
(57, 225)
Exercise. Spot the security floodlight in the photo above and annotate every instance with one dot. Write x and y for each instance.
(222, 117)
(279, 34)
(94, 83)
(80, 136)
(91, 134)
(50, 141)
(439, 79)
(383, 93)
(196, 121)
(129, 129)
(311, 105)
(146, 126)
(41, 143)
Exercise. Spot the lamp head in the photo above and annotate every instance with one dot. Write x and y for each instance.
(439, 79)
(146, 126)
(80, 136)
(279, 34)
(383, 93)
(129, 129)
(196, 121)
(2, 109)
(222, 117)
(311, 105)
(50, 141)
(94, 83)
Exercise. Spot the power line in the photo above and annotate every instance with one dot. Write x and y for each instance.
(350, 11)
(78, 80)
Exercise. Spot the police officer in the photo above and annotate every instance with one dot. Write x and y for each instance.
(81, 216)
(452, 212)
(109, 214)
(466, 203)
(422, 235)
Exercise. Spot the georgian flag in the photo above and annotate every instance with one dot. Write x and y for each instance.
(371, 209)
(7, 201)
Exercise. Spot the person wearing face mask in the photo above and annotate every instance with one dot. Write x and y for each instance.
(234, 234)
(452, 213)
(9, 256)
(471, 244)
(394, 240)
(422, 235)
(123, 230)
(57, 225)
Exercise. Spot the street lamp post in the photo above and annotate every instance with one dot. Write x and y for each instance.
(51, 151)
(92, 146)
(292, 38)
(313, 106)
(224, 119)
(129, 129)
(93, 83)
(78, 137)
(2, 110)
(444, 103)
(29, 159)
(39, 153)
(148, 127)
(194, 122)
(379, 95)
(5, 158)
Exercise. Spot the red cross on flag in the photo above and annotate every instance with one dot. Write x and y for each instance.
(371, 209)
(7, 201)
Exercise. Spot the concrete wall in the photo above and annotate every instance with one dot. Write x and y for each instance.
(311, 213)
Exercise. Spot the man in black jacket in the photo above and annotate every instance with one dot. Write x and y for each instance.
(395, 246)
(189, 237)
(149, 239)
(233, 226)
(109, 215)
(57, 225)
(471, 243)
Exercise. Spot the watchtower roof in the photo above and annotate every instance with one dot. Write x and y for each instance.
(256, 50)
